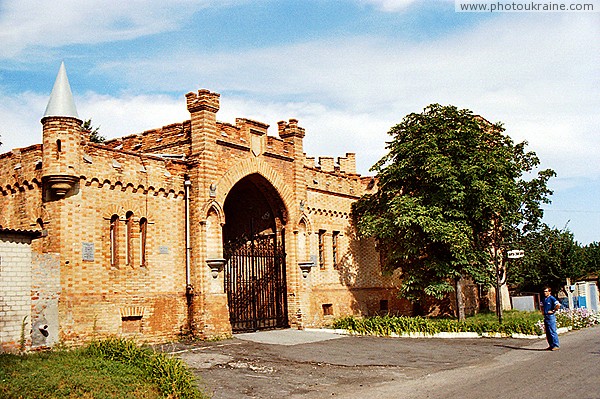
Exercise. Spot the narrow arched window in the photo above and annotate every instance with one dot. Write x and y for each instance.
(143, 235)
(335, 249)
(114, 233)
(58, 148)
(129, 238)
(302, 242)
(321, 241)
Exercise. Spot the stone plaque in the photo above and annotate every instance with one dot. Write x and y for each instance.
(163, 250)
(87, 251)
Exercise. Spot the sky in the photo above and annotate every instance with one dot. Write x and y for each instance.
(348, 70)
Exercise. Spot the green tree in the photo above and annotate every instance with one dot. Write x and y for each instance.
(551, 256)
(94, 132)
(591, 258)
(450, 196)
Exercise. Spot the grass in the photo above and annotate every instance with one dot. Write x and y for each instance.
(112, 369)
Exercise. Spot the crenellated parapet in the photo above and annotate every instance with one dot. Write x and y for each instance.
(203, 100)
(344, 165)
(173, 138)
(120, 168)
(290, 129)
(252, 136)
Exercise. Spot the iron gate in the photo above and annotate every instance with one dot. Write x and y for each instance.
(255, 284)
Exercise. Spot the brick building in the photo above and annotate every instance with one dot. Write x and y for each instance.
(200, 226)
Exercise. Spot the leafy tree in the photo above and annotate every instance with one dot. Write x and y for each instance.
(450, 196)
(95, 136)
(591, 258)
(551, 256)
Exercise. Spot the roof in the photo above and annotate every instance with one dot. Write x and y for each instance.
(61, 101)
(32, 233)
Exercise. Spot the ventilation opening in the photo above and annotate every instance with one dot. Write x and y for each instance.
(384, 305)
(131, 324)
(327, 309)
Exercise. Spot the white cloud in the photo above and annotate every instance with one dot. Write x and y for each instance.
(26, 25)
(542, 83)
(20, 115)
(390, 5)
(122, 116)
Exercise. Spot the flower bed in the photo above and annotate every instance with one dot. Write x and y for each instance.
(518, 324)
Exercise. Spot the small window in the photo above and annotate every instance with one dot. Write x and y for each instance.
(327, 309)
(322, 249)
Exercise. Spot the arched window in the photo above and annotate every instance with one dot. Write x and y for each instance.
(335, 249)
(143, 235)
(129, 238)
(58, 148)
(114, 233)
(321, 241)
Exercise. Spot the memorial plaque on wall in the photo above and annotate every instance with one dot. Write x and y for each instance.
(87, 251)
(163, 250)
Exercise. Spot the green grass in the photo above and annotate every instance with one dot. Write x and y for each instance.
(112, 369)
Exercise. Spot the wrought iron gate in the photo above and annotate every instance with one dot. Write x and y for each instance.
(255, 284)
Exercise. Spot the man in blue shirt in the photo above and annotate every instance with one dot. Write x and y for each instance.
(550, 306)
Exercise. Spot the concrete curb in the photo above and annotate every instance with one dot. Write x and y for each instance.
(452, 335)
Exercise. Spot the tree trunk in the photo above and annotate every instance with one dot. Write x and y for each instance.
(460, 304)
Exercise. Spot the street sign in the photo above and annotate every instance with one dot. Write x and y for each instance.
(515, 254)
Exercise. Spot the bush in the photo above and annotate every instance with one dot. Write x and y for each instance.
(170, 374)
(577, 318)
(516, 323)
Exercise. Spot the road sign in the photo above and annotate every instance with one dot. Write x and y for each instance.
(515, 254)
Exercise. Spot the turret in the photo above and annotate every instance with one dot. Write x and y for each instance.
(203, 107)
(61, 138)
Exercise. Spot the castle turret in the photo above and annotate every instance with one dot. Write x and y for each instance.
(61, 138)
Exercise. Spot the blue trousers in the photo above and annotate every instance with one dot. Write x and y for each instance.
(551, 333)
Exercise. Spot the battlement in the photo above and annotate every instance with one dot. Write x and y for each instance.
(345, 165)
(175, 135)
(203, 100)
(248, 126)
(290, 129)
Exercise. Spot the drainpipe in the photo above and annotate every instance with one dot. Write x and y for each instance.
(189, 289)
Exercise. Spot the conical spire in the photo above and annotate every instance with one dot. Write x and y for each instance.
(61, 101)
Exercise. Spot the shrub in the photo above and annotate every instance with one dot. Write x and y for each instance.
(577, 318)
(517, 322)
(170, 374)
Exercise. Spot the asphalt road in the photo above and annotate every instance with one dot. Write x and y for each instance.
(297, 364)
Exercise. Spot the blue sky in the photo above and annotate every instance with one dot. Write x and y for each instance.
(347, 69)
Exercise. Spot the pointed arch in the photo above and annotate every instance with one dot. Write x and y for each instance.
(213, 206)
(255, 166)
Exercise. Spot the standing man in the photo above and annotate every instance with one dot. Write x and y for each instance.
(549, 307)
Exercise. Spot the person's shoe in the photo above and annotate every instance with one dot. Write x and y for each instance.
(555, 348)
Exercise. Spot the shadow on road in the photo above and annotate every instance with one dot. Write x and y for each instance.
(522, 349)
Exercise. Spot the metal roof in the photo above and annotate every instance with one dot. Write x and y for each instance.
(61, 101)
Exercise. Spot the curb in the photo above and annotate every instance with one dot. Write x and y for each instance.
(447, 335)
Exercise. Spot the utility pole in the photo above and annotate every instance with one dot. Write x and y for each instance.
(498, 285)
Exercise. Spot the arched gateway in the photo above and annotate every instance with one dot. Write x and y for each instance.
(254, 247)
